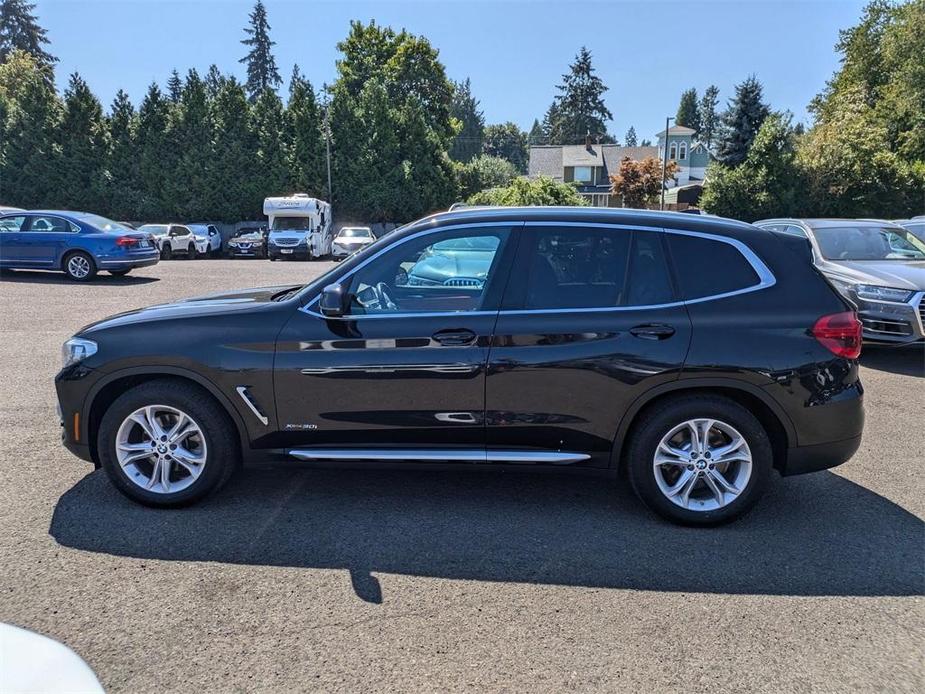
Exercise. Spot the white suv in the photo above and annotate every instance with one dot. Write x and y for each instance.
(176, 238)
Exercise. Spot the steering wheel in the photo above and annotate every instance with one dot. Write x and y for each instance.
(385, 299)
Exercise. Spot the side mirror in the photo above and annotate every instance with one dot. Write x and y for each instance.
(333, 301)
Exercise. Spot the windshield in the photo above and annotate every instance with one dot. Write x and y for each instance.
(356, 233)
(104, 224)
(868, 243)
(156, 229)
(291, 223)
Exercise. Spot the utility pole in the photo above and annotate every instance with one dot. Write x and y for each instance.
(665, 162)
(327, 137)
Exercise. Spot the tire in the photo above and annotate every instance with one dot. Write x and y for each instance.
(166, 252)
(191, 252)
(272, 259)
(702, 507)
(120, 273)
(215, 439)
(79, 266)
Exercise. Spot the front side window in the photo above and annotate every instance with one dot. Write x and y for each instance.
(440, 272)
(868, 243)
(707, 267)
(12, 223)
(180, 231)
(595, 268)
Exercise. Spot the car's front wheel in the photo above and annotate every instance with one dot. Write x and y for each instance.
(191, 252)
(700, 460)
(167, 443)
(166, 251)
(79, 266)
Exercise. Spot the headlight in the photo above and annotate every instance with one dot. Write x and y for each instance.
(76, 349)
(868, 291)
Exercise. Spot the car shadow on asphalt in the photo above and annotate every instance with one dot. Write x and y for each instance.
(51, 277)
(818, 534)
(904, 361)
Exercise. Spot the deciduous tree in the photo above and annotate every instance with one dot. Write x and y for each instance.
(641, 182)
(507, 141)
(541, 191)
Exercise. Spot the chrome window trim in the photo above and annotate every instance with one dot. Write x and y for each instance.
(467, 455)
(766, 278)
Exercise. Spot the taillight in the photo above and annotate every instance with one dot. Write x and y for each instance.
(126, 241)
(840, 333)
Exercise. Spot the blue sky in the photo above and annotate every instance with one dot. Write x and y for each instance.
(514, 52)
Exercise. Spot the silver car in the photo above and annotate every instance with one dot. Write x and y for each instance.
(878, 265)
(351, 239)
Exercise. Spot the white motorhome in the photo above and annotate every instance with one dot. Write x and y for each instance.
(300, 227)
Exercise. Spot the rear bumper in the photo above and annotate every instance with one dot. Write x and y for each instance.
(820, 456)
(126, 263)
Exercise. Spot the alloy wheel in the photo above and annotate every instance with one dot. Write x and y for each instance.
(702, 464)
(78, 266)
(161, 449)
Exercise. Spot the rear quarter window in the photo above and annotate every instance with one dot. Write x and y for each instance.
(706, 267)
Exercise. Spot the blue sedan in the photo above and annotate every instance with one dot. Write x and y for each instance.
(79, 244)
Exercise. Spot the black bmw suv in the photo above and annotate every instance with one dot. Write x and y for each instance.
(697, 355)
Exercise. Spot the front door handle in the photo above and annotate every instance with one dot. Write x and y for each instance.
(653, 331)
(455, 337)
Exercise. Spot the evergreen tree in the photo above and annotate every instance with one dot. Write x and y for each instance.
(536, 136)
(235, 192)
(214, 81)
(707, 116)
(267, 124)
(27, 147)
(20, 30)
(124, 187)
(630, 139)
(741, 121)
(82, 144)
(154, 169)
(262, 73)
(507, 141)
(646, 142)
(687, 110)
(305, 139)
(465, 110)
(190, 138)
(174, 86)
(580, 108)
(549, 118)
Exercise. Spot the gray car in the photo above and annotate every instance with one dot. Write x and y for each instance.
(916, 225)
(878, 265)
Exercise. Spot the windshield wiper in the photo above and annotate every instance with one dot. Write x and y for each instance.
(286, 293)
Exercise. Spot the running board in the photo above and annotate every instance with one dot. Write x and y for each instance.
(438, 455)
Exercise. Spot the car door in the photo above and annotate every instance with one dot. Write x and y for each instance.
(44, 242)
(179, 238)
(404, 368)
(590, 321)
(12, 232)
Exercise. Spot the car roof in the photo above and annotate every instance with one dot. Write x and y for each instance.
(823, 223)
(600, 215)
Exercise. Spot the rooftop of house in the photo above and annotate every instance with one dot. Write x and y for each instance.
(676, 130)
(550, 160)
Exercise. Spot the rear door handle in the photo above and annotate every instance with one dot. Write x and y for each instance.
(655, 331)
(455, 337)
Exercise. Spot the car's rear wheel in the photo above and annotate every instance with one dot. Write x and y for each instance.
(79, 266)
(699, 460)
(120, 273)
(167, 443)
(166, 251)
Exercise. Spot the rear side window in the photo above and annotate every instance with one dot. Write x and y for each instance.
(576, 268)
(707, 268)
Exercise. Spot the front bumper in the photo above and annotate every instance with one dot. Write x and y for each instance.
(71, 386)
(893, 323)
(296, 252)
(252, 252)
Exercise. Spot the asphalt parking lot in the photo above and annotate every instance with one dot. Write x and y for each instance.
(297, 579)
